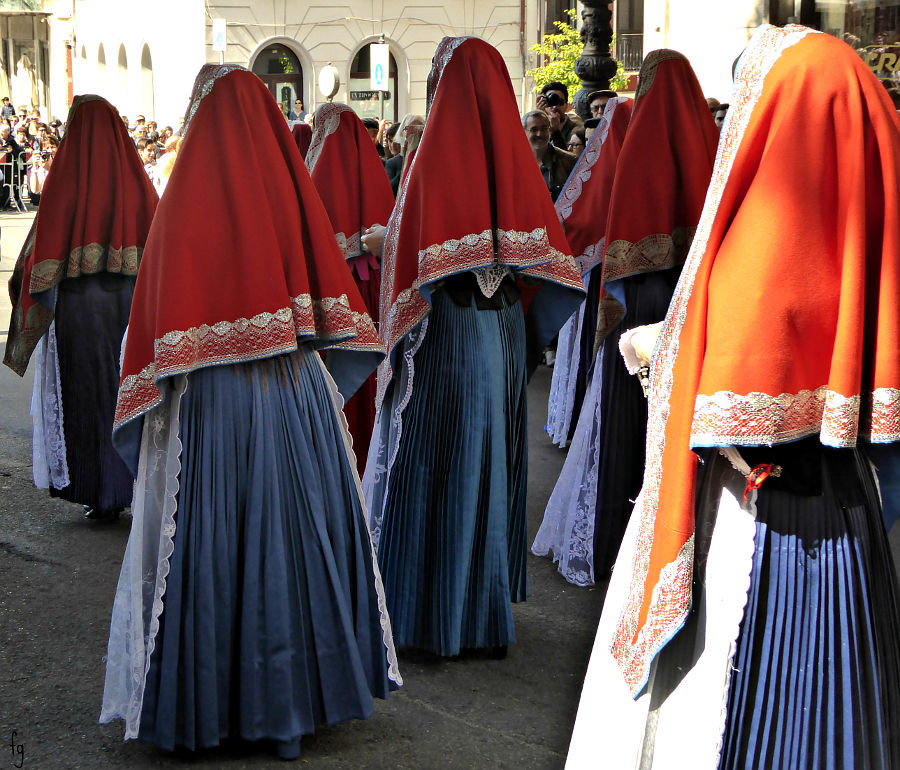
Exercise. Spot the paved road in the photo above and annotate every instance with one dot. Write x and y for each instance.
(57, 580)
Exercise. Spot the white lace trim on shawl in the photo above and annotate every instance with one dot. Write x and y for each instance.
(142, 581)
(567, 529)
(48, 448)
(328, 119)
(561, 402)
(387, 635)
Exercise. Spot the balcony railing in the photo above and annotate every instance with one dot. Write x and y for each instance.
(630, 51)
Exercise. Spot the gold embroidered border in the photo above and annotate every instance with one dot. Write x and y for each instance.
(655, 252)
(88, 259)
(329, 319)
(632, 647)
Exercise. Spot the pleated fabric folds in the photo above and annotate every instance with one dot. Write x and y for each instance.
(816, 677)
(271, 623)
(91, 316)
(452, 542)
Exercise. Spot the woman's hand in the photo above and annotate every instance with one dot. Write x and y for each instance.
(373, 240)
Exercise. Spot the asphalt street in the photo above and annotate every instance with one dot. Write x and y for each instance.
(57, 580)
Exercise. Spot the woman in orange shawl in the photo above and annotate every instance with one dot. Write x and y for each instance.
(753, 612)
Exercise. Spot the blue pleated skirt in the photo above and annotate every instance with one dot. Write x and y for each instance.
(453, 544)
(816, 677)
(91, 315)
(271, 623)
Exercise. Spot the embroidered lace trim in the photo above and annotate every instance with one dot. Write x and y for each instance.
(655, 252)
(88, 259)
(649, 68)
(328, 119)
(329, 320)
(206, 79)
(138, 603)
(490, 278)
(634, 647)
(350, 247)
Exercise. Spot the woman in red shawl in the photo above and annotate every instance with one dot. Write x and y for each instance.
(445, 479)
(755, 590)
(71, 291)
(660, 183)
(573, 413)
(350, 180)
(249, 603)
(582, 206)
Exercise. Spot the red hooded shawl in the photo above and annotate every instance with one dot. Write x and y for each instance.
(95, 215)
(583, 203)
(661, 177)
(223, 284)
(348, 175)
(471, 200)
(786, 322)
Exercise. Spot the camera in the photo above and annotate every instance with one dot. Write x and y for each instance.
(45, 154)
(554, 99)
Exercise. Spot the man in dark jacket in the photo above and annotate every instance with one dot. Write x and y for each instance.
(555, 164)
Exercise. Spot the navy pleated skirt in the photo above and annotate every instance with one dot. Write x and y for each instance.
(271, 623)
(623, 421)
(453, 543)
(91, 316)
(816, 677)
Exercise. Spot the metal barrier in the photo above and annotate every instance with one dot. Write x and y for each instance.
(13, 178)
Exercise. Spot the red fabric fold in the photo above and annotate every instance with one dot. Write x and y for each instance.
(229, 277)
(583, 204)
(302, 133)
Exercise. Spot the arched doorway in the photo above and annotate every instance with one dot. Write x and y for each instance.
(279, 68)
(366, 102)
(147, 95)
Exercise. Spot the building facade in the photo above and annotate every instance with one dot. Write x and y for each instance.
(712, 33)
(144, 61)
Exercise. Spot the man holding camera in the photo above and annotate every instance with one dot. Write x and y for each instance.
(554, 100)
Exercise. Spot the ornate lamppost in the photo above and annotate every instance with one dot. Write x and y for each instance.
(596, 66)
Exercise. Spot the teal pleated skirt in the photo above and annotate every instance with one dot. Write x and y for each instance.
(453, 539)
